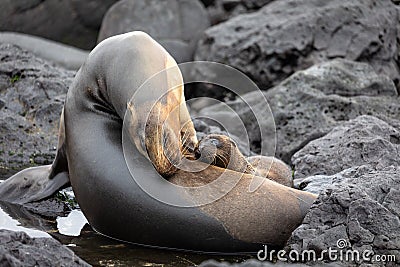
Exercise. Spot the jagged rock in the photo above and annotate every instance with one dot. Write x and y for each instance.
(175, 24)
(286, 36)
(18, 249)
(221, 10)
(310, 103)
(32, 92)
(72, 22)
(50, 208)
(364, 140)
(359, 209)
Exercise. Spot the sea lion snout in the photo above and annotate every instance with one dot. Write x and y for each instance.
(214, 149)
(191, 146)
(209, 143)
(197, 153)
(208, 146)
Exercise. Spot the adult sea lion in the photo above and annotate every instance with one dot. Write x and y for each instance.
(220, 150)
(91, 156)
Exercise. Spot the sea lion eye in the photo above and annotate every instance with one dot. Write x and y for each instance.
(215, 142)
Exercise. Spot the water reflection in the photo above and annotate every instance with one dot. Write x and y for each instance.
(72, 224)
(8, 223)
(73, 231)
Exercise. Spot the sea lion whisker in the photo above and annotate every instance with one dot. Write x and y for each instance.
(171, 149)
(184, 138)
(185, 135)
(223, 159)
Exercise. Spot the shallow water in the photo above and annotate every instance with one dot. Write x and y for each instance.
(8, 223)
(73, 231)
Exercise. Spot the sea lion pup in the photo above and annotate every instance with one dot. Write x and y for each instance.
(222, 151)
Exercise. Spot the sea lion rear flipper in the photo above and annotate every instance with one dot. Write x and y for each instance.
(32, 184)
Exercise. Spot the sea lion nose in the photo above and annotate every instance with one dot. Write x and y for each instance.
(197, 153)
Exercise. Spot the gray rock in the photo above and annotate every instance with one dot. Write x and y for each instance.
(364, 140)
(360, 210)
(176, 24)
(65, 56)
(18, 249)
(317, 183)
(286, 36)
(90, 12)
(33, 93)
(72, 22)
(49, 208)
(310, 103)
(222, 10)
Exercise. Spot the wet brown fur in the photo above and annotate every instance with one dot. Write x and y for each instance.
(157, 132)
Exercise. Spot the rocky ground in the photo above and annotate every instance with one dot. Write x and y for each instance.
(330, 72)
(32, 93)
(298, 34)
(18, 249)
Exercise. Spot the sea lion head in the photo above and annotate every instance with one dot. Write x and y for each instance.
(220, 150)
(215, 149)
(156, 132)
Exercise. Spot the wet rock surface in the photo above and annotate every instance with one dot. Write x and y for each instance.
(18, 249)
(307, 105)
(49, 208)
(72, 22)
(359, 209)
(286, 36)
(32, 93)
(176, 24)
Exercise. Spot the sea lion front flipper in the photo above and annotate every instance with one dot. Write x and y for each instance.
(32, 184)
